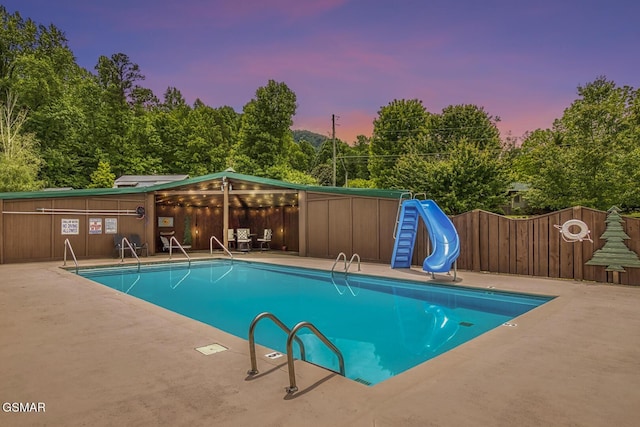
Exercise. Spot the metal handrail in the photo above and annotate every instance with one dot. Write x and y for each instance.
(67, 243)
(351, 260)
(292, 374)
(226, 273)
(343, 255)
(133, 251)
(395, 227)
(335, 285)
(346, 271)
(221, 245)
(133, 284)
(346, 282)
(178, 245)
(179, 281)
(252, 341)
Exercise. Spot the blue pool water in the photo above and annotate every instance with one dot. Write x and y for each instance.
(382, 327)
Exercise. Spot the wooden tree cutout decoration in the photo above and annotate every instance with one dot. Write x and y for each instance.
(614, 254)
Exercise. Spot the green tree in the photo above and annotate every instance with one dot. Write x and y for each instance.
(361, 183)
(286, 173)
(458, 122)
(315, 139)
(302, 156)
(39, 68)
(323, 174)
(360, 159)
(400, 128)
(102, 177)
(265, 134)
(324, 160)
(188, 236)
(467, 178)
(19, 160)
(588, 158)
(120, 133)
(119, 77)
(21, 39)
(544, 164)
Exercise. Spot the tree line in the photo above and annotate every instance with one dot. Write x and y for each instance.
(65, 126)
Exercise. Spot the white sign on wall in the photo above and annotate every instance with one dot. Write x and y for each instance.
(70, 226)
(110, 225)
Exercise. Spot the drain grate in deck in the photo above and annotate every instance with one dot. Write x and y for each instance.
(361, 381)
(210, 349)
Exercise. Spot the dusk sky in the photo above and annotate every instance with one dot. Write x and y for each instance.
(520, 60)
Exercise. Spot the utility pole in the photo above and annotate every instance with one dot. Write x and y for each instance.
(333, 137)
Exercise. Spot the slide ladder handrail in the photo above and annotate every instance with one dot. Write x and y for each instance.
(402, 198)
(292, 335)
(178, 245)
(220, 244)
(67, 244)
(133, 251)
(252, 341)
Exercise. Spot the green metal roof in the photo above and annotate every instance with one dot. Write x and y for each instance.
(364, 192)
(47, 194)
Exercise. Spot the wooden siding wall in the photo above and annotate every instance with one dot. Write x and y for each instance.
(351, 225)
(534, 247)
(30, 236)
(283, 221)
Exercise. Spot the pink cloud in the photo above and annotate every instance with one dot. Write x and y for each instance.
(219, 13)
(292, 9)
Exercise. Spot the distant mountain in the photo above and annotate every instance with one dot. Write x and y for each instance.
(314, 139)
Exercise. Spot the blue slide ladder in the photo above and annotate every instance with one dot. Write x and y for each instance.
(442, 234)
(406, 230)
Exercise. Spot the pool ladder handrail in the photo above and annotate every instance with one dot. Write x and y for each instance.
(221, 245)
(178, 245)
(347, 265)
(354, 256)
(133, 251)
(179, 281)
(292, 335)
(67, 244)
(252, 340)
(340, 255)
(133, 284)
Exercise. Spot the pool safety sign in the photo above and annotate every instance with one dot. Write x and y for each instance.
(110, 225)
(95, 225)
(70, 226)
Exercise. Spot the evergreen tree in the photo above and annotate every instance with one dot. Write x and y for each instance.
(102, 177)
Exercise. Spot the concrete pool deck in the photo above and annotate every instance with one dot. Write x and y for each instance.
(95, 356)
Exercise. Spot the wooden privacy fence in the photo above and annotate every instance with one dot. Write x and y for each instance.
(534, 247)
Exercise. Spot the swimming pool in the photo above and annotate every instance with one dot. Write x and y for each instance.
(382, 327)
